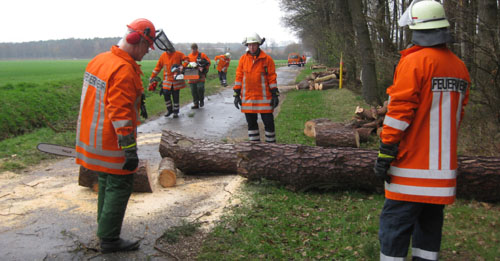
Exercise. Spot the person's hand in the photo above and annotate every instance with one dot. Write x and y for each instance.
(237, 98)
(152, 86)
(386, 154)
(131, 159)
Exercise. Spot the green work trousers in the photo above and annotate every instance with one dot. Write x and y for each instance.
(114, 192)
(198, 91)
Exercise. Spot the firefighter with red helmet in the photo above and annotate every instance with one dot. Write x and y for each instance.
(256, 89)
(110, 106)
(417, 159)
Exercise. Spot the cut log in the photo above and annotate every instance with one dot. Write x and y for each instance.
(374, 124)
(167, 173)
(302, 85)
(142, 178)
(365, 133)
(363, 114)
(194, 156)
(315, 67)
(310, 126)
(330, 84)
(302, 167)
(336, 137)
(325, 78)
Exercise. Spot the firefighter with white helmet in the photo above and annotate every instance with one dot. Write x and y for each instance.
(417, 158)
(256, 89)
(222, 62)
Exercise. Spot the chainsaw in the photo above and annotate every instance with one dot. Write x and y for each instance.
(56, 149)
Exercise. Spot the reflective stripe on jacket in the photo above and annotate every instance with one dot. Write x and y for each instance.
(165, 63)
(255, 77)
(192, 58)
(222, 62)
(426, 106)
(109, 107)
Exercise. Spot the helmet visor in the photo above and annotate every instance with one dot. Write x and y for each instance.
(162, 42)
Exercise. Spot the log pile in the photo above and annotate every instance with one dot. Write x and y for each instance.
(365, 124)
(324, 80)
(301, 167)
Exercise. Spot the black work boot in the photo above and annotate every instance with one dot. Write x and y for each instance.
(195, 106)
(168, 113)
(110, 246)
(176, 115)
(202, 103)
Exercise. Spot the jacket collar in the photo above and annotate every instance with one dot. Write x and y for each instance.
(125, 56)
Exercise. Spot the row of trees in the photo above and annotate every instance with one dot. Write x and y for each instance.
(332, 28)
(88, 48)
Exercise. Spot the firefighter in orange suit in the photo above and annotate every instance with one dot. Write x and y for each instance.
(223, 61)
(112, 94)
(202, 62)
(171, 63)
(418, 150)
(255, 88)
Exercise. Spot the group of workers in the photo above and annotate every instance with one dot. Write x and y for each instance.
(417, 159)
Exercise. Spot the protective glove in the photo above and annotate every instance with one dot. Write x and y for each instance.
(131, 160)
(144, 112)
(237, 98)
(153, 82)
(386, 154)
(274, 98)
(129, 146)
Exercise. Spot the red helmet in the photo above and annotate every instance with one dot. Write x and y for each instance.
(145, 28)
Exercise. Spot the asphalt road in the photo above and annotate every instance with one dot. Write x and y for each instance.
(45, 215)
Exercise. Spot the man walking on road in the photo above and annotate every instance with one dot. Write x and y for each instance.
(171, 63)
(198, 86)
(222, 62)
(418, 149)
(107, 128)
(256, 89)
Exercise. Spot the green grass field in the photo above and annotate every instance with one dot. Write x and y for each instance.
(40, 99)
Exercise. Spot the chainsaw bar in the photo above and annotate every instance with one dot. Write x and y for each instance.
(56, 149)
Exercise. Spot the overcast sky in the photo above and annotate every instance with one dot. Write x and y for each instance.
(182, 20)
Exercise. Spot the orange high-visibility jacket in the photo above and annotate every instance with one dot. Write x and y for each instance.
(109, 107)
(222, 62)
(426, 106)
(255, 77)
(192, 58)
(165, 62)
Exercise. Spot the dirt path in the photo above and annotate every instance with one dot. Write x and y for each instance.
(45, 215)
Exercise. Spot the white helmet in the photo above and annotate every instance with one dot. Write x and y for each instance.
(253, 38)
(424, 15)
(228, 55)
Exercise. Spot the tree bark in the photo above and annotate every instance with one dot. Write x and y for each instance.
(326, 136)
(143, 178)
(301, 167)
(365, 50)
(194, 156)
(311, 125)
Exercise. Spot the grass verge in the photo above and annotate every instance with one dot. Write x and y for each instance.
(273, 223)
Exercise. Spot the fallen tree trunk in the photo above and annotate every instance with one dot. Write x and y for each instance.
(325, 78)
(143, 180)
(311, 125)
(302, 85)
(194, 156)
(300, 167)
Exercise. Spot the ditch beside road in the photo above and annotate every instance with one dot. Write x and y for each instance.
(46, 215)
